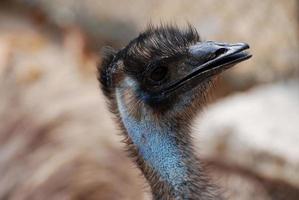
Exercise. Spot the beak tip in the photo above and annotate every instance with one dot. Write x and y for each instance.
(246, 46)
(241, 45)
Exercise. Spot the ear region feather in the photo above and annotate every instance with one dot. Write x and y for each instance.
(105, 70)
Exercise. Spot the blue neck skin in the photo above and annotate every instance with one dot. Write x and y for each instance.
(155, 143)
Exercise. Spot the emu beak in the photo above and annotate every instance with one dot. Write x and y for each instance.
(214, 57)
(208, 59)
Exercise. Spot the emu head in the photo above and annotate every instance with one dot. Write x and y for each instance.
(166, 71)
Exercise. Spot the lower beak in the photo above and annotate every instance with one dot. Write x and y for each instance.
(209, 59)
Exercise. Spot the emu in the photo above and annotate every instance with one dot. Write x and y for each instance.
(155, 86)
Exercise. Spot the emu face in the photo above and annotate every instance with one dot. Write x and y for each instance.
(155, 85)
(167, 69)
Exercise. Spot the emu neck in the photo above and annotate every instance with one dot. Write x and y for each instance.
(163, 152)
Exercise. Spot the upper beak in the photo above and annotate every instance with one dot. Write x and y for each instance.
(206, 53)
(208, 59)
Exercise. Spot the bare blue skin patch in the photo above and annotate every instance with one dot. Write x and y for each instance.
(156, 144)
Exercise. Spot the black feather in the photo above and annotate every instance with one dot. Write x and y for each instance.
(105, 70)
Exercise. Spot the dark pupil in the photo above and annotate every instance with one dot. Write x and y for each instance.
(159, 73)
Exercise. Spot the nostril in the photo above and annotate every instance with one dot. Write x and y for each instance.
(220, 51)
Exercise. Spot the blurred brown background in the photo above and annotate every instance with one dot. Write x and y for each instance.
(58, 141)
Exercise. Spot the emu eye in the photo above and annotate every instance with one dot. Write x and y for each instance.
(159, 73)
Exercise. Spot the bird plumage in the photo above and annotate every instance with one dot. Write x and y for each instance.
(155, 86)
